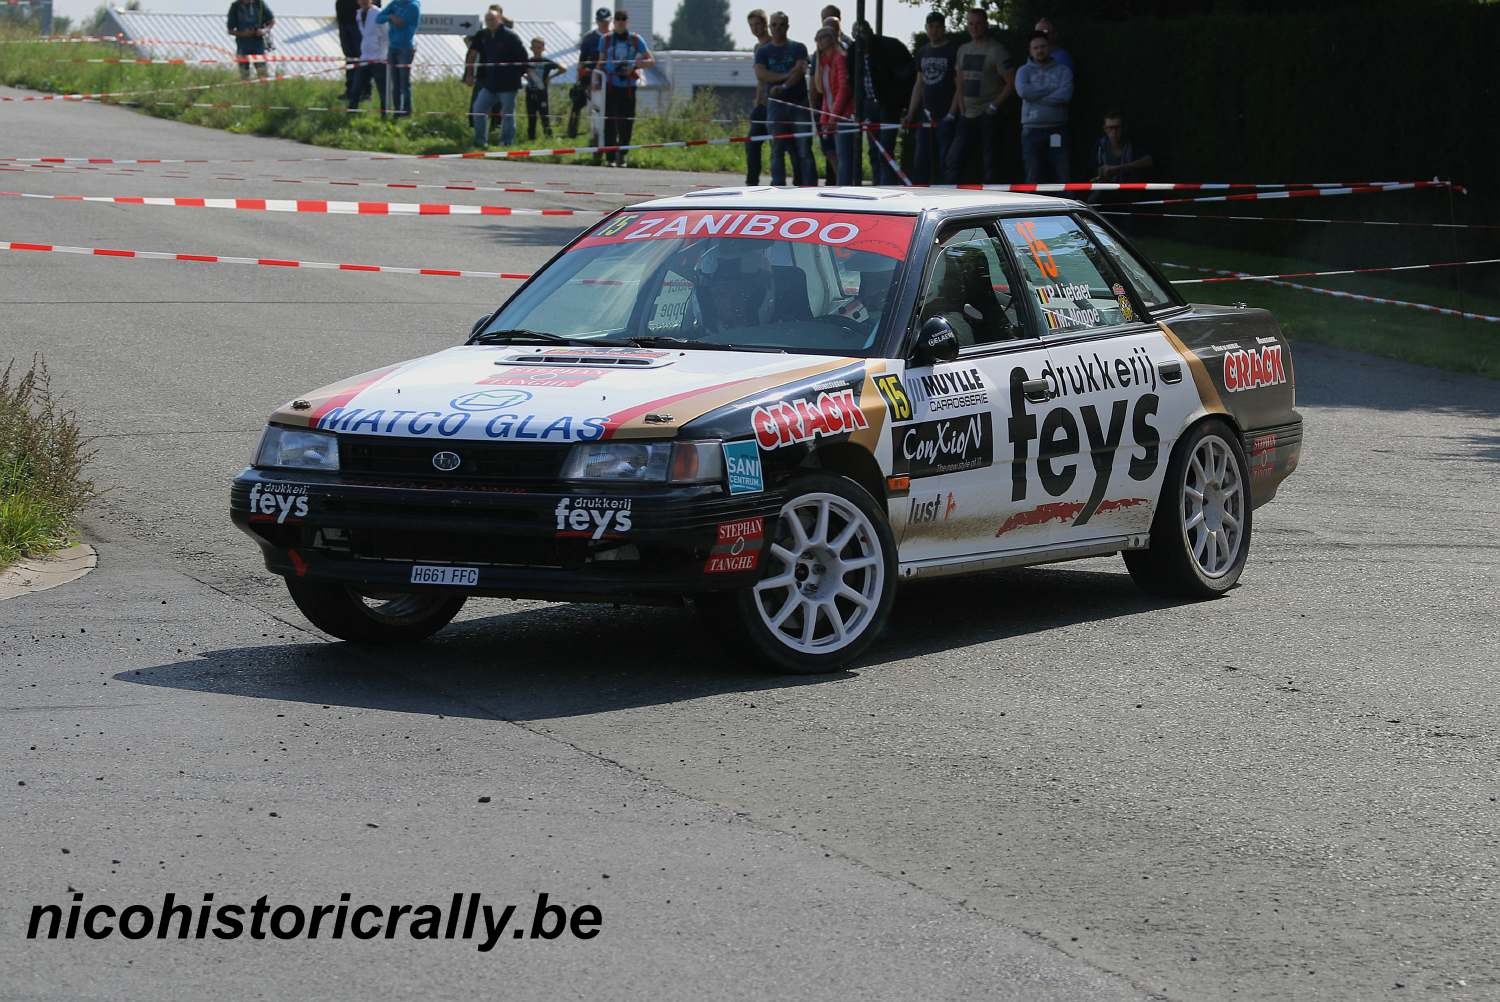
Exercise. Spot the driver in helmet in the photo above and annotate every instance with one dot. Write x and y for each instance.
(875, 278)
(736, 287)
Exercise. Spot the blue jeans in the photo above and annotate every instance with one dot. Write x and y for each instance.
(784, 118)
(846, 146)
(755, 147)
(933, 142)
(483, 102)
(1040, 156)
(399, 65)
(880, 168)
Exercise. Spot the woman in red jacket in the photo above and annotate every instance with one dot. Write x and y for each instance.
(836, 108)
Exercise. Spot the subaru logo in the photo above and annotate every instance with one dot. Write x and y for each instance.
(446, 461)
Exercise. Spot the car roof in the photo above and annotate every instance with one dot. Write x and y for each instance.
(896, 201)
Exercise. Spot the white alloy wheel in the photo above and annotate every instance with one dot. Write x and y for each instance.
(826, 578)
(1213, 507)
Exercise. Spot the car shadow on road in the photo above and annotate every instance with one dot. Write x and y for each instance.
(553, 661)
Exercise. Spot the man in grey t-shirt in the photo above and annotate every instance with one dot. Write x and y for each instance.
(985, 83)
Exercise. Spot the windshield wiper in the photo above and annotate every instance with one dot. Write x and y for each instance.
(508, 336)
(665, 341)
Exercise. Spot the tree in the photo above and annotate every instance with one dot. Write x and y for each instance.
(702, 24)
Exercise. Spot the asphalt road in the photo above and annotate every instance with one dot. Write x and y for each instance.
(1040, 785)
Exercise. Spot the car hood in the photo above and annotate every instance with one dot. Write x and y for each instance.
(547, 393)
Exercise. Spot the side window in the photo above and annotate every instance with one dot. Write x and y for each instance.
(1152, 293)
(1072, 285)
(969, 284)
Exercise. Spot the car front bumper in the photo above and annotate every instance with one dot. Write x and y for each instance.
(523, 542)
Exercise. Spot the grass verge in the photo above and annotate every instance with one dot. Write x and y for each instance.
(1398, 332)
(42, 459)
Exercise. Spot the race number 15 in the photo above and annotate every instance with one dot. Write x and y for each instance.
(1040, 252)
(895, 396)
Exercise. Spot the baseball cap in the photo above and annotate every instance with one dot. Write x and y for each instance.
(602, 14)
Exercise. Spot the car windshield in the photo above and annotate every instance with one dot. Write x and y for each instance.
(813, 282)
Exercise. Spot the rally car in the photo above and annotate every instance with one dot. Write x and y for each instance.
(779, 404)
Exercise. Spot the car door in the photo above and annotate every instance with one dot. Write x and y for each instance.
(950, 419)
(1115, 398)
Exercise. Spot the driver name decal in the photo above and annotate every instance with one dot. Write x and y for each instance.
(889, 236)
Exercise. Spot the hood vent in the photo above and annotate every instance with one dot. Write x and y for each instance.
(623, 359)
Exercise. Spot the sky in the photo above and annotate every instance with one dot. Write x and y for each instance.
(901, 20)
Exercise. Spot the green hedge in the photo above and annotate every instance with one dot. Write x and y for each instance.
(1303, 97)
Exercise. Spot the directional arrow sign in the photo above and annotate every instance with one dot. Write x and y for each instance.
(449, 24)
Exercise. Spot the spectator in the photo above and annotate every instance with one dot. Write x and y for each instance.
(887, 76)
(588, 58)
(539, 73)
(372, 49)
(755, 147)
(985, 83)
(624, 55)
(830, 11)
(836, 102)
(1046, 87)
(1054, 38)
(345, 15)
(781, 64)
(499, 63)
(815, 78)
(403, 16)
(1117, 157)
(250, 21)
(932, 98)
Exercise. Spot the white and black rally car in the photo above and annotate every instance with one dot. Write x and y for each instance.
(780, 403)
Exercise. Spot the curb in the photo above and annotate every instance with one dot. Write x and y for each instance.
(40, 573)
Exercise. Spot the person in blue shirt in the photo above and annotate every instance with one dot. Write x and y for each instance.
(250, 21)
(402, 18)
(781, 66)
(622, 56)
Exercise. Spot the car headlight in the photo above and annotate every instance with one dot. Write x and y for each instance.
(298, 449)
(646, 462)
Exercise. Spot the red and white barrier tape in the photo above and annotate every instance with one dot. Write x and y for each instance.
(491, 187)
(1339, 294)
(321, 207)
(100, 97)
(1241, 276)
(264, 262)
(1295, 219)
(1267, 196)
(475, 155)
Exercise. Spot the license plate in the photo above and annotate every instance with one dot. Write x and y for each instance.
(429, 574)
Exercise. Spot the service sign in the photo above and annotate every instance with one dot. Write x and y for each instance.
(889, 236)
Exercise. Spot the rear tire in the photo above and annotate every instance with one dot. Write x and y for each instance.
(828, 580)
(1200, 537)
(374, 618)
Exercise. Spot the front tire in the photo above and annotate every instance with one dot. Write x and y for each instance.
(377, 617)
(828, 580)
(1200, 537)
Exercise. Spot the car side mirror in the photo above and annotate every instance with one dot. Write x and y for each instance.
(936, 342)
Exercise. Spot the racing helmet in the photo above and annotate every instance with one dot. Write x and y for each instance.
(736, 287)
(876, 275)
